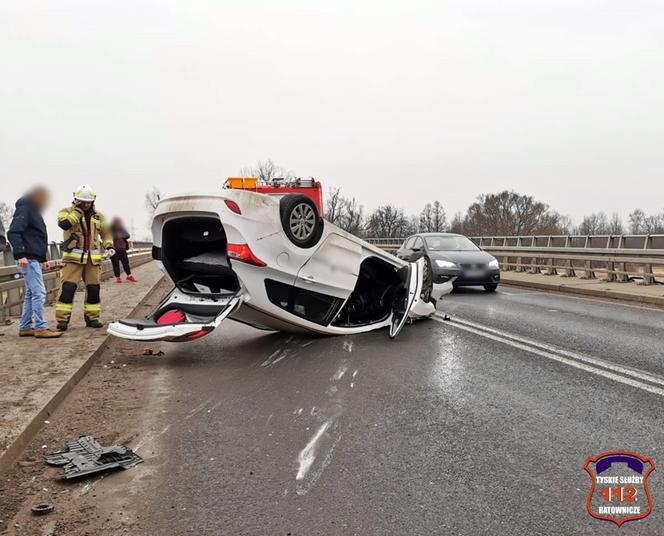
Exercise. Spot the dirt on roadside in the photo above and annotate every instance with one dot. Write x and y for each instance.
(111, 404)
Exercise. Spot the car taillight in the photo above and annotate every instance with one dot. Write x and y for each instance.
(241, 252)
(233, 206)
(174, 316)
(197, 334)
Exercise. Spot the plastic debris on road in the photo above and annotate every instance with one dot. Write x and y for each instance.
(85, 456)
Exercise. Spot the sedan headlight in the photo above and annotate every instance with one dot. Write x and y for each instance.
(445, 264)
(494, 264)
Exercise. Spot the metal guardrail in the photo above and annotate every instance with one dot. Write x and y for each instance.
(619, 258)
(54, 253)
(11, 281)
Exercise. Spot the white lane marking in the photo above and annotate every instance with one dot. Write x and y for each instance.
(557, 357)
(525, 293)
(354, 373)
(620, 369)
(572, 296)
(348, 345)
(307, 455)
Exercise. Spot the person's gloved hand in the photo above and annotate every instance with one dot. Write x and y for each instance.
(110, 252)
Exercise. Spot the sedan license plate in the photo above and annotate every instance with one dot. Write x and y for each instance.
(474, 274)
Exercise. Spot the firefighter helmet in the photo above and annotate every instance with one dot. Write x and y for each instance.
(85, 193)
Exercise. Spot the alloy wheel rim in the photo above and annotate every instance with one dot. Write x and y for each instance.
(302, 221)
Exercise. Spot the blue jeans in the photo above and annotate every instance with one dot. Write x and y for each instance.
(35, 296)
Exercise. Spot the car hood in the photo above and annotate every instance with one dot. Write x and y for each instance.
(462, 257)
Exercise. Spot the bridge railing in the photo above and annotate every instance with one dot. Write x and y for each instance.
(11, 280)
(618, 258)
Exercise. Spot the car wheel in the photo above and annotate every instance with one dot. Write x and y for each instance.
(491, 287)
(427, 281)
(300, 220)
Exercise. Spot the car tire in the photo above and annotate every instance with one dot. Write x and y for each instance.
(300, 220)
(491, 287)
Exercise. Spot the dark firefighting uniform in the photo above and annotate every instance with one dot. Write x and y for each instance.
(84, 235)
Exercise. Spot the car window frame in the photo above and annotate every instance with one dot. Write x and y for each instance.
(417, 237)
(407, 241)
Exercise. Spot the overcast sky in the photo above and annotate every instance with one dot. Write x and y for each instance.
(394, 101)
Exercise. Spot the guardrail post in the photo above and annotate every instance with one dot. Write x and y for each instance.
(648, 275)
(8, 258)
(519, 260)
(53, 251)
(610, 272)
(588, 272)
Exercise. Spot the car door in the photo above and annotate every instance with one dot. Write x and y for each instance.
(407, 295)
(333, 268)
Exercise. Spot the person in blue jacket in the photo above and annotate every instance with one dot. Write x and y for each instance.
(29, 240)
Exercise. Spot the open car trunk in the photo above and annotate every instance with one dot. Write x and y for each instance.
(194, 255)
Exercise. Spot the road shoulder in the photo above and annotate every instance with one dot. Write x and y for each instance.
(624, 292)
(37, 374)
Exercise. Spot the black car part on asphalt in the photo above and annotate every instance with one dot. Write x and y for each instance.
(85, 456)
(42, 509)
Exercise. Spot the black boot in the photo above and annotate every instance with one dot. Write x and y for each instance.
(62, 326)
(94, 323)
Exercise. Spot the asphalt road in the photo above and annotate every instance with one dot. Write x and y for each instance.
(476, 426)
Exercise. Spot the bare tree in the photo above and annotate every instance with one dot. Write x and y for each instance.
(387, 221)
(352, 217)
(344, 212)
(616, 225)
(266, 171)
(640, 223)
(456, 226)
(432, 218)
(334, 205)
(594, 224)
(6, 213)
(152, 199)
(510, 214)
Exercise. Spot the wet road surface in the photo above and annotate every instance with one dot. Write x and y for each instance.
(476, 426)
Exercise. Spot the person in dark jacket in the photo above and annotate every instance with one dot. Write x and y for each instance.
(29, 240)
(122, 245)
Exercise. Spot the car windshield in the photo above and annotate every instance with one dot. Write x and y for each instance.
(449, 243)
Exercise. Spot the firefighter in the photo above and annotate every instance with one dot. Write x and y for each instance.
(85, 232)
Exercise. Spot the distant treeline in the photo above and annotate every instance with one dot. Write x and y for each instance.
(505, 213)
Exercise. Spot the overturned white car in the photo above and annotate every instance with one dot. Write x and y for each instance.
(274, 263)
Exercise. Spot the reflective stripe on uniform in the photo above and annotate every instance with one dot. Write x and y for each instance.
(66, 215)
(72, 256)
(92, 307)
(60, 306)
